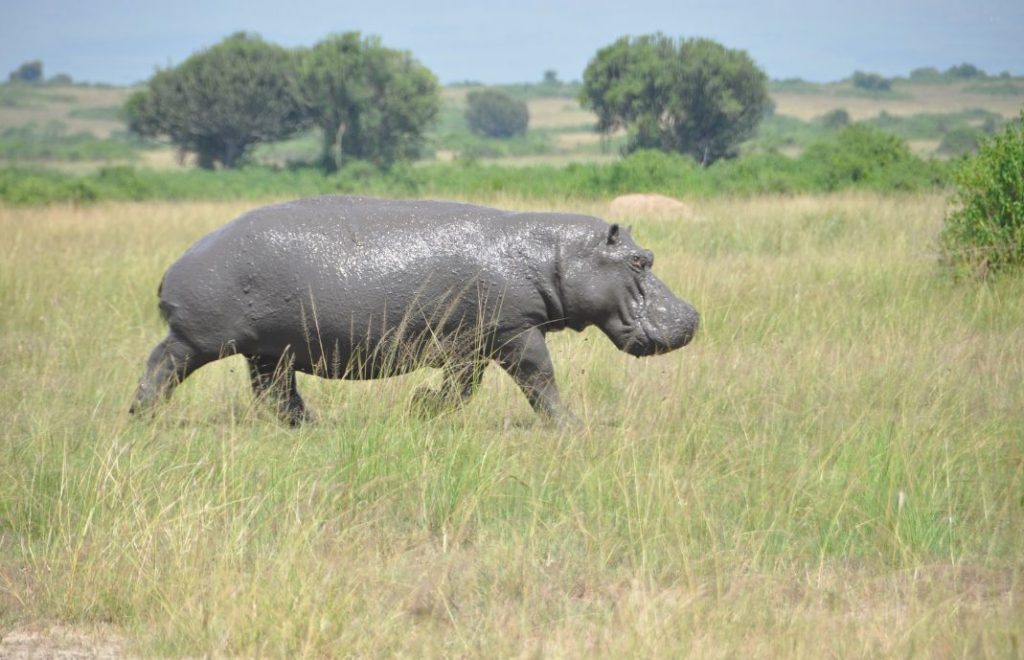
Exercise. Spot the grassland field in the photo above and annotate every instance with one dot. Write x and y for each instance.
(834, 468)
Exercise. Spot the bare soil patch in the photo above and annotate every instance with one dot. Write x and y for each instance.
(62, 641)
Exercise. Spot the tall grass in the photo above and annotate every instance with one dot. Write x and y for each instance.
(835, 466)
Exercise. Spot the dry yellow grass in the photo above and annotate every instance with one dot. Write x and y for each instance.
(559, 113)
(834, 468)
(52, 106)
(923, 98)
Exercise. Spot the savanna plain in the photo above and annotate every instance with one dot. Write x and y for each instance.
(834, 467)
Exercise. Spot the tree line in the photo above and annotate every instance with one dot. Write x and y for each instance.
(375, 104)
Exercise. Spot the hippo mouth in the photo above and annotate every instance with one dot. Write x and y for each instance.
(645, 339)
(654, 322)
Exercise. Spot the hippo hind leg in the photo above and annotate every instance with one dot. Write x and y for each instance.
(273, 378)
(170, 362)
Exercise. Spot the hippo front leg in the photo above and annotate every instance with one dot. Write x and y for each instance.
(527, 360)
(273, 378)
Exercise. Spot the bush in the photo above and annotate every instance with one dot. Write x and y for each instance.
(837, 118)
(985, 233)
(494, 113)
(872, 82)
(859, 154)
(926, 74)
(964, 71)
(960, 142)
(29, 72)
(19, 186)
(858, 157)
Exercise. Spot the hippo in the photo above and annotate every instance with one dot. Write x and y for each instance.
(360, 288)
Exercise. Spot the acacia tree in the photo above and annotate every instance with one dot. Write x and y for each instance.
(372, 103)
(221, 101)
(693, 96)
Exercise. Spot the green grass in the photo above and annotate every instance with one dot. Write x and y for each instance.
(31, 96)
(105, 112)
(835, 466)
(997, 87)
(795, 86)
(933, 126)
(54, 142)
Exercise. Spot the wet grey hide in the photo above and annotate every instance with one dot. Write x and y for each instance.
(350, 287)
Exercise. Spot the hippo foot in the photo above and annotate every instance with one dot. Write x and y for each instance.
(563, 419)
(140, 411)
(296, 417)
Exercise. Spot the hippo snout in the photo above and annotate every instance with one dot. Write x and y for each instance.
(667, 322)
(667, 328)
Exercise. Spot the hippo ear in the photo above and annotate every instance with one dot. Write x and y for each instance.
(613, 234)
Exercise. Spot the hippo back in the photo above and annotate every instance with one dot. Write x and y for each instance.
(325, 275)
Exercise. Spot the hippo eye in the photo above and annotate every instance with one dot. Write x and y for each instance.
(637, 262)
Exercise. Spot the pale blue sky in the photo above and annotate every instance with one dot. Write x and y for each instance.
(123, 41)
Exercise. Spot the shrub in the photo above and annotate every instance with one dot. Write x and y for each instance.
(963, 71)
(837, 118)
(494, 113)
(29, 72)
(872, 82)
(18, 186)
(960, 141)
(926, 74)
(985, 232)
(859, 154)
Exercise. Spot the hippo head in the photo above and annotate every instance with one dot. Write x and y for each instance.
(610, 284)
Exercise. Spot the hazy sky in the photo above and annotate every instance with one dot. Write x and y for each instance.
(123, 41)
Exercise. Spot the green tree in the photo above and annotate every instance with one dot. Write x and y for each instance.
(926, 74)
(29, 72)
(985, 232)
(221, 101)
(494, 113)
(372, 103)
(964, 71)
(693, 96)
(871, 82)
